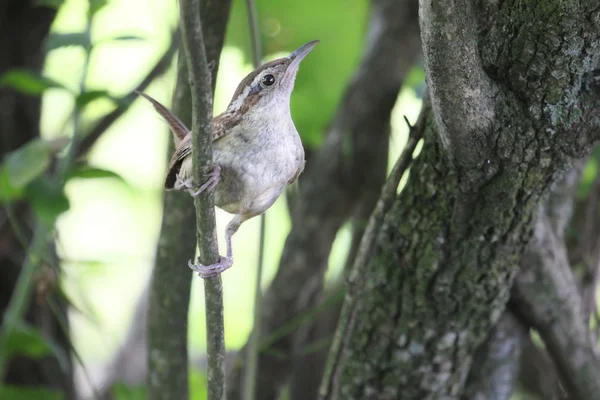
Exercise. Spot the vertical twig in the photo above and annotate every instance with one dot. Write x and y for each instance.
(249, 385)
(200, 84)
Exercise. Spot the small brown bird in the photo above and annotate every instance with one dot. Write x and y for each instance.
(257, 151)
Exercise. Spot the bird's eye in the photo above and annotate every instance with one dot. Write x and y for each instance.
(268, 80)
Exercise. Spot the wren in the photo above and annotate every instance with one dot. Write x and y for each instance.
(257, 151)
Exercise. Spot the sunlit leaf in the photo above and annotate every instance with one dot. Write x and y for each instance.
(96, 5)
(48, 199)
(58, 40)
(90, 172)
(49, 3)
(27, 341)
(28, 82)
(122, 391)
(83, 99)
(27, 162)
(28, 393)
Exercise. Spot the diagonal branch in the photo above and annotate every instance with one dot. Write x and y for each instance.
(365, 251)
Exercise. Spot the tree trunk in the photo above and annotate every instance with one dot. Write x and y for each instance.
(23, 28)
(512, 104)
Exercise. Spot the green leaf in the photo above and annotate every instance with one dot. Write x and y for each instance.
(95, 6)
(27, 162)
(58, 40)
(121, 391)
(27, 393)
(90, 172)
(8, 192)
(27, 341)
(48, 199)
(28, 82)
(83, 99)
(49, 3)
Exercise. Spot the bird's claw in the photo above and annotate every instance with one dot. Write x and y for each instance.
(211, 183)
(210, 271)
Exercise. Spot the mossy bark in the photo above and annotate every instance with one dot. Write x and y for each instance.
(511, 105)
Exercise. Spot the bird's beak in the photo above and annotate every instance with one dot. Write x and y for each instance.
(296, 57)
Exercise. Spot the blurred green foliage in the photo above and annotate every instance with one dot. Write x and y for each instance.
(27, 341)
(286, 25)
(23, 393)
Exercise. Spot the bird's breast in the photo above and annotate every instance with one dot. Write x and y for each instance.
(257, 166)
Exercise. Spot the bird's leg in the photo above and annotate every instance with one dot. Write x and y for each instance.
(210, 271)
(213, 178)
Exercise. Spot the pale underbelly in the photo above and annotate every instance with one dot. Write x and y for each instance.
(251, 188)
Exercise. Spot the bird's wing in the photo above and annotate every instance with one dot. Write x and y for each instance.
(221, 126)
(181, 152)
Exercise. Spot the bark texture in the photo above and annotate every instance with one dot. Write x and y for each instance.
(331, 190)
(511, 105)
(23, 28)
(496, 369)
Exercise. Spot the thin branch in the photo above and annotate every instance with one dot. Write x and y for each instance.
(161, 66)
(388, 194)
(200, 84)
(249, 392)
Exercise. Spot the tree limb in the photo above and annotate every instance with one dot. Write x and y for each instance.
(365, 251)
(546, 297)
(459, 88)
(331, 186)
(201, 89)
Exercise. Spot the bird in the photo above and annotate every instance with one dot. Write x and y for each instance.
(257, 150)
